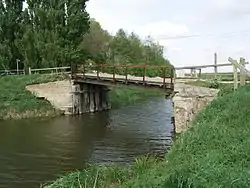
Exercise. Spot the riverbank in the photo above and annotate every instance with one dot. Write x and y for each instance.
(213, 153)
(16, 102)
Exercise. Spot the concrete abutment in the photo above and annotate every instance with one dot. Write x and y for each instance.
(188, 102)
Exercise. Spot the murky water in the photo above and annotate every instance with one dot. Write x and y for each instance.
(35, 152)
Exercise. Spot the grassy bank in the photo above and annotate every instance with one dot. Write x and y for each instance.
(213, 154)
(124, 96)
(18, 103)
(224, 88)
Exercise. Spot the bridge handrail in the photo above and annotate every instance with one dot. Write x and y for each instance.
(126, 66)
(99, 68)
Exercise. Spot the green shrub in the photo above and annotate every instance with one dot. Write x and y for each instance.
(214, 84)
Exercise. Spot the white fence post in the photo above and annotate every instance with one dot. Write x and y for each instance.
(30, 71)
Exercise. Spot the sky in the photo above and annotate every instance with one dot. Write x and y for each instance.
(220, 26)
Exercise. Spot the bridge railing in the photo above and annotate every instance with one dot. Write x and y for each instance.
(141, 73)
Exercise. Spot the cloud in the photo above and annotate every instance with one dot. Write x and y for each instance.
(168, 19)
(232, 8)
(162, 29)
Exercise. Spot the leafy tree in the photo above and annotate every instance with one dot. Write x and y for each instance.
(96, 43)
(45, 34)
(121, 47)
(10, 32)
(59, 32)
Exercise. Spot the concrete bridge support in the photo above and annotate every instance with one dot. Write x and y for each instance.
(188, 102)
(89, 98)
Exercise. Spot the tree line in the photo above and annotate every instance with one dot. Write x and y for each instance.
(41, 33)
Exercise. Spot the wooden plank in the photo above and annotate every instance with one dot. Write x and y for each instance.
(203, 66)
(239, 66)
(215, 68)
(55, 68)
(76, 99)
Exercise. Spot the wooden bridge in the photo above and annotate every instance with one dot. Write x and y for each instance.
(147, 77)
(91, 83)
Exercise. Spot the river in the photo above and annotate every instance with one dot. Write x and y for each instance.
(33, 152)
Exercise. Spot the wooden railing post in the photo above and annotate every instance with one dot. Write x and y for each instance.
(126, 75)
(199, 76)
(172, 79)
(102, 69)
(114, 73)
(144, 75)
(235, 77)
(164, 78)
(242, 73)
(97, 72)
(215, 66)
(84, 70)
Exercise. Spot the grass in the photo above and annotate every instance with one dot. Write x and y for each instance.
(18, 103)
(124, 96)
(104, 176)
(224, 88)
(214, 153)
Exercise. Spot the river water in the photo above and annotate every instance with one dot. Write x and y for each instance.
(35, 152)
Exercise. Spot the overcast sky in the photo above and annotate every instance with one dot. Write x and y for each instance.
(227, 21)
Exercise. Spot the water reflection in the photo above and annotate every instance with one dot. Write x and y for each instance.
(33, 152)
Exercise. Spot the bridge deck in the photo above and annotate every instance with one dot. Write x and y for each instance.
(164, 81)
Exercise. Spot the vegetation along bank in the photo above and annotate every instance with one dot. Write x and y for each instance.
(18, 103)
(213, 153)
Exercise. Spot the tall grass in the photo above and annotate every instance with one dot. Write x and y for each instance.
(104, 176)
(124, 96)
(214, 153)
(18, 103)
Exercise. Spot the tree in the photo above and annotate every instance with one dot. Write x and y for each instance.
(77, 25)
(96, 43)
(45, 34)
(10, 32)
(121, 47)
(59, 32)
(58, 29)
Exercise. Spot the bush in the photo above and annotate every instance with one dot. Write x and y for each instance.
(214, 84)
